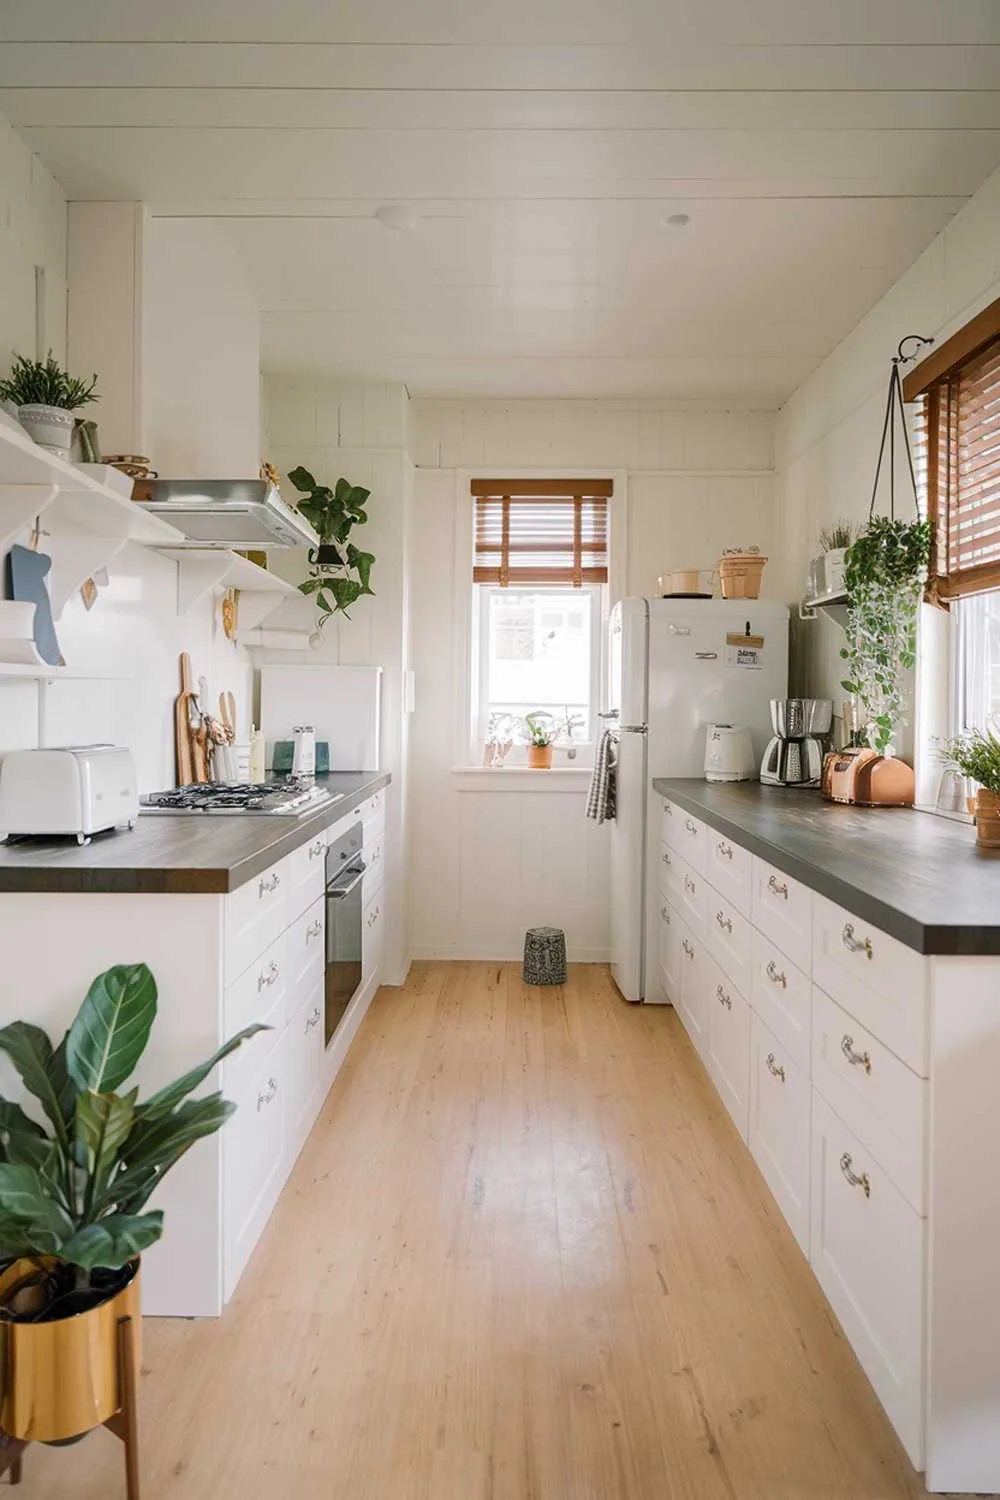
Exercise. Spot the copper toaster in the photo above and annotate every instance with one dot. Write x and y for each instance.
(867, 779)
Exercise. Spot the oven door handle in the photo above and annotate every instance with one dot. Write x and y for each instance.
(337, 892)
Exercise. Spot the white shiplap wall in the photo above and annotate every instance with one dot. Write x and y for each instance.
(488, 863)
(32, 233)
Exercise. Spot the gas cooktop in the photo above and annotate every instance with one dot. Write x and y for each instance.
(291, 798)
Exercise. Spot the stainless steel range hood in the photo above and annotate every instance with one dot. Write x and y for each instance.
(244, 513)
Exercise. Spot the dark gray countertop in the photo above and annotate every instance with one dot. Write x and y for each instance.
(920, 878)
(179, 855)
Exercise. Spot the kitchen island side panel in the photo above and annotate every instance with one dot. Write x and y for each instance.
(52, 948)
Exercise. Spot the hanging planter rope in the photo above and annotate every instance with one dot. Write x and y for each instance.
(885, 574)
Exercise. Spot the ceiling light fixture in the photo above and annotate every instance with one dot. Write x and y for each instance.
(676, 221)
(397, 216)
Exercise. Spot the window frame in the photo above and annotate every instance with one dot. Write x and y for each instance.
(466, 751)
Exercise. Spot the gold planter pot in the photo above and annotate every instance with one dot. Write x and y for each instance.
(987, 816)
(60, 1379)
(540, 756)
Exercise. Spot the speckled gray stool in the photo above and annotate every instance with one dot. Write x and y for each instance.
(545, 955)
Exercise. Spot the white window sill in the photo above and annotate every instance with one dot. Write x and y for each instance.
(521, 779)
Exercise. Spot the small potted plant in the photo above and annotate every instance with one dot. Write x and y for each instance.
(46, 398)
(834, 541)
(339, 572)
(977, 756)
(542, 730)
(73, 1217)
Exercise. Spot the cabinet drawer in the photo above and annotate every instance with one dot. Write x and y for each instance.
(372, 937)
(778, 1127)
(259, 994)
(689, 836)
(252, 1155)
(729, 940)
(306, 876)
(692, 987)
(371, 810)
(254, 916)
(305, 953)
(694, 894)
(670, 867)
(780, 994)
(304, 1068)
(373, 854)
(782, 908)
(730, 870)
(670, 951)
(882, 1100)
(728, 1058)
(877, 979)
(868, 1254)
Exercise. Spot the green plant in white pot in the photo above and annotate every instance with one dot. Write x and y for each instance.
(834, 541)
(885, 575)
(46, 398)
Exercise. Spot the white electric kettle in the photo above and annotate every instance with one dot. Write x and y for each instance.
(729, 753)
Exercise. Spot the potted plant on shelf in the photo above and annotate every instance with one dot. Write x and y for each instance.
(884, 577)
(73, 1217)
(339, 572)
(542, 730)
(834, 541)
(46, 398)
(976, 755)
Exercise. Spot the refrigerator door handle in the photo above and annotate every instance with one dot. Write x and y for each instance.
(633, 729)
(611, 713)
(706, 655)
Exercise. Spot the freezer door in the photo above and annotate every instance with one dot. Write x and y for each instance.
(628, 636)
(628, 857)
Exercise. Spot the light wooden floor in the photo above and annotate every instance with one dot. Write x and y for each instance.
(524, 1256)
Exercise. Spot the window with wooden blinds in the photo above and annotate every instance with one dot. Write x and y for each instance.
(958, 456)
(538, 532)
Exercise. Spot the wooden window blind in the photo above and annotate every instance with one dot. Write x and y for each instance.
(958, 456)
(541, 531)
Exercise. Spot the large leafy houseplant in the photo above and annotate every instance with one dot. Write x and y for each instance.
(73, 1191)
(885, 576)
(339, 572)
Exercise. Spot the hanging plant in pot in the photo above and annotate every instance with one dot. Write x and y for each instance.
(885, 572)
(46, 398)
(339, 572)
(976, 755)
(73, 1215)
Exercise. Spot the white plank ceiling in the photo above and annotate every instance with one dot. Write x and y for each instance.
(816, 146)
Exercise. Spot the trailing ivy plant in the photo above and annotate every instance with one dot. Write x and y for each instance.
(885, 573)
(339, 572)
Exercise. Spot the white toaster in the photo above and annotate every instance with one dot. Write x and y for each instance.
(81, 790)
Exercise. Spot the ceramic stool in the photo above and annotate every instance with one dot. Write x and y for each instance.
(545, 955)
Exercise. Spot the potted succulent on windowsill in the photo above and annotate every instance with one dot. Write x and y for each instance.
(542, 730)
(73, 1217)
(339, 572)
(977, 756)
(46, 398)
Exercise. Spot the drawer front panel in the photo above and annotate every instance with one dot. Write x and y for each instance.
(306, 953)
(259, 993)
(780, 994)
(878, 1097)
(693, 1008)
(670, 867)
(304, 1069)
(878, 980)
(689, 836)
(372, 936)
(694, 894)
(254, 916)
(782, 908)
(729, 1044)
(670, 950)
(868, 1254)
(252, 1155)
(730, 940)
(306, 876)
(730, 870)
(373, 854)
(778, 1127)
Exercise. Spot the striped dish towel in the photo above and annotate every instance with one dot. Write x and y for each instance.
(601, 797)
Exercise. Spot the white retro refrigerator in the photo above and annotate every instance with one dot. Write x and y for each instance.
(673, 667)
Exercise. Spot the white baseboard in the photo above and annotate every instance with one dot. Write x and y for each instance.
(492, 954)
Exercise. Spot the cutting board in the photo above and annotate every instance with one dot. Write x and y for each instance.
(182, 724)
(26, 574)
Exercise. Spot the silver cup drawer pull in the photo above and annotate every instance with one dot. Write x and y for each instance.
(312, 1019)
(689, 885)
(855, 944)
(666, 858)
(269, 1094)
(317, 849)
(778, 887)
(265, 887)
(724, 999)
(692, 828)
(665, 914)
(314, 930)
(268, 976)
(726, 923)
(776, 975)
(861, 1180)
(726, 850)
(687, 947)
(775, 1068)
(855, 1058)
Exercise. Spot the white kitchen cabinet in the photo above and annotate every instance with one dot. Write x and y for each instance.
(781, 994)
(729, 869)
(670, 951)
(304, 1071)
(689, 836)
(255, 915)
(782, 909)
(252, 1156)
(779, 1126)
(693, 1008)
(729, 939)
(728, 1058)
(868, 1253)
(372, 937)
(306, 876)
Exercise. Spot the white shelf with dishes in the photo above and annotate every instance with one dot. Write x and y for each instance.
(202, 570)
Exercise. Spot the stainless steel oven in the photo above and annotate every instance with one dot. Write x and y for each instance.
(345, 873)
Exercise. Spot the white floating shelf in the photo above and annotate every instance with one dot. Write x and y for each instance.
(834, 605)
(202, 571)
